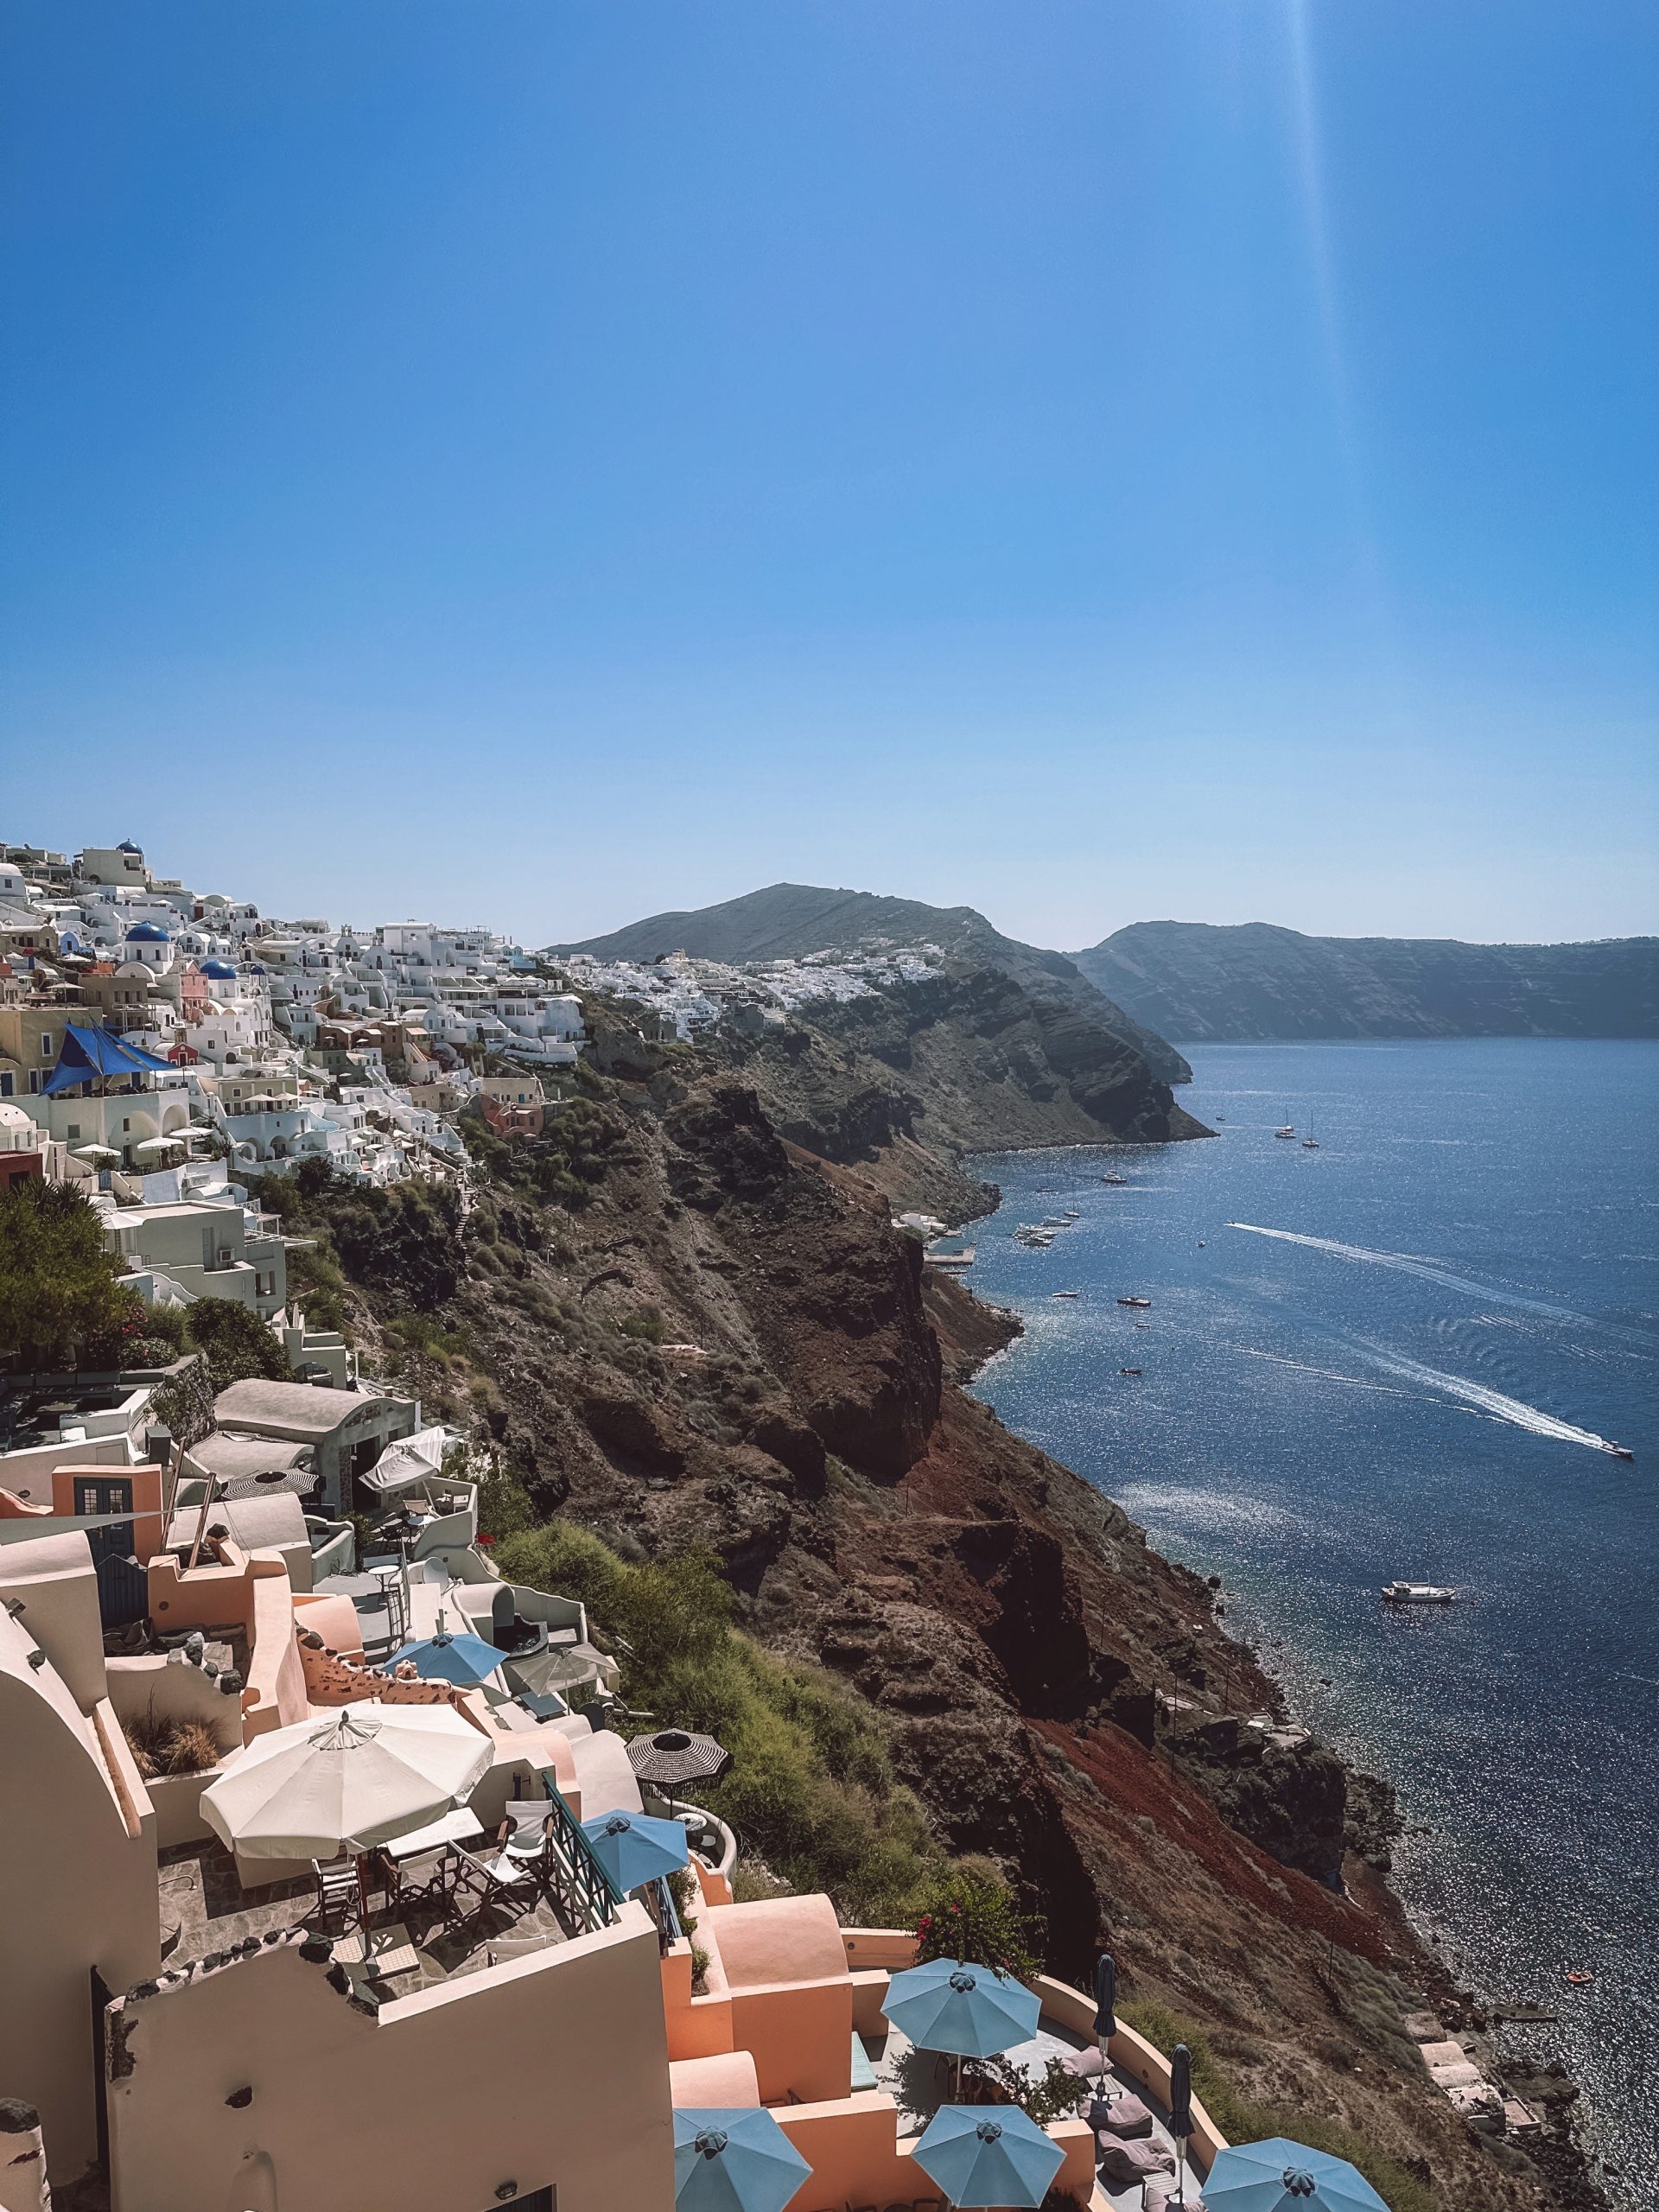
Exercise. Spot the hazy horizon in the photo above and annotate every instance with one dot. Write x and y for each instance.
(554, 465)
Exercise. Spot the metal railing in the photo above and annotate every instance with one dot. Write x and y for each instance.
(586, 1891)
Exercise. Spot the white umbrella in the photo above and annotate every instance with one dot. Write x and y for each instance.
(363, 1778)
(176, 1143)
(96, 1151)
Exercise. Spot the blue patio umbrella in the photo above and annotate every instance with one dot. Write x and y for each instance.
(464, 1660)
(989, 2154)
(1279, 2176)
(733, 2161)
(969, 2010)
(634, 1849)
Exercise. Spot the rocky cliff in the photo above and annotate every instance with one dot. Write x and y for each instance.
(1200, 984)
(678, 1328)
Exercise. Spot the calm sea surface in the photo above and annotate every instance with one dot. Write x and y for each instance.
(1403, 1355)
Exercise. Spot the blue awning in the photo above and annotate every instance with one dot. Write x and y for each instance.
(88, 1055)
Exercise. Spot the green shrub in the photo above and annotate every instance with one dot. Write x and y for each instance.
(1242, 2120)
(810, 1786)
(969, 1913)
(60, 1300)
(237, 1344)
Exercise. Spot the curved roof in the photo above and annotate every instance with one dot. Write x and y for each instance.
(126, 845)
(148, 933)
(219, 967)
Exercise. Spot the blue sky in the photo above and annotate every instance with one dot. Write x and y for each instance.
(546, 461)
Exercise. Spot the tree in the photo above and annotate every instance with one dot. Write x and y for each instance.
(239, 1345)
(58, 1289)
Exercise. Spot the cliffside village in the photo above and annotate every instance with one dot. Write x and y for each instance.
(335, 1873)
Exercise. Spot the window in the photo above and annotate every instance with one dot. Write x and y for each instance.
(45, 1043)
(74, 1129)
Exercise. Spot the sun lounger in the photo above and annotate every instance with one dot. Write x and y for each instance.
(1124, 2163)
(1124, 2116)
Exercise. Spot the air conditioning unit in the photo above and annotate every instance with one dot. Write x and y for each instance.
(226, 1255)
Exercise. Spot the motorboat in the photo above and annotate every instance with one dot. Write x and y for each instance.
(1112, 1176)
(1135, 1301)
(1621, 1452)
(1065, 1293)
(1418, 1593)
(1128, 1370)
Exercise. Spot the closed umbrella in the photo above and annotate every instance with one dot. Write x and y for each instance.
(674, 1757)
(969, 2010)
(735, 2160)
(366, 1777)
(989, 2154)
(634, 1849)
(1180, 2111)
(1105, 2005)
(1280, 2176)
(445, 1657)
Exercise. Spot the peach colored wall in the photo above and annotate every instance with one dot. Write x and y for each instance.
(148, 1530)
(78, 1878)
(53, 1579)
(218, 1593)
(777, 1987)
(715, 1888)
(547, 2069)
(728, 2078)
(275, 1694)
(852, 2148)
(334, 1619)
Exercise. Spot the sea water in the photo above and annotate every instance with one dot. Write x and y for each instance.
(1404, 1354)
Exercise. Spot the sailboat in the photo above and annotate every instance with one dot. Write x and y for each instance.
(1310, 1142)
(1289, 1130)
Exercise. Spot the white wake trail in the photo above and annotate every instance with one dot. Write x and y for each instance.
(1493, 1403)
(1409, 1263)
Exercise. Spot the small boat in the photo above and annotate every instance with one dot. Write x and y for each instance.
(1128, 1370)
(1203, 1242)
(1290, 1128)
(1621, 1452)
(1143, 1324)
(1065, 1293)
(1112, 1176)
(1310, 1142)
(1135, 1301)
(1418, 1593)
(1580, 1977)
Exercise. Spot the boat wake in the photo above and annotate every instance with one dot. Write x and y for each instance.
(1437, 1387)
(1493, 1403)
(1353, 1382)
(1409, 1263)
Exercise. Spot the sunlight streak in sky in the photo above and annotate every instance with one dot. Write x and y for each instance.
(1310, 164)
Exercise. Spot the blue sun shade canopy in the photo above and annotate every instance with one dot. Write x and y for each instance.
(89, 1055)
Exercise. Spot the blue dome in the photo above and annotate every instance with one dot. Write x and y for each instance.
(220, 969)
(254, 969)
(148, 933)
(126, 845)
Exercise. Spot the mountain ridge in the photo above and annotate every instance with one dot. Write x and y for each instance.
(1211, 982)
